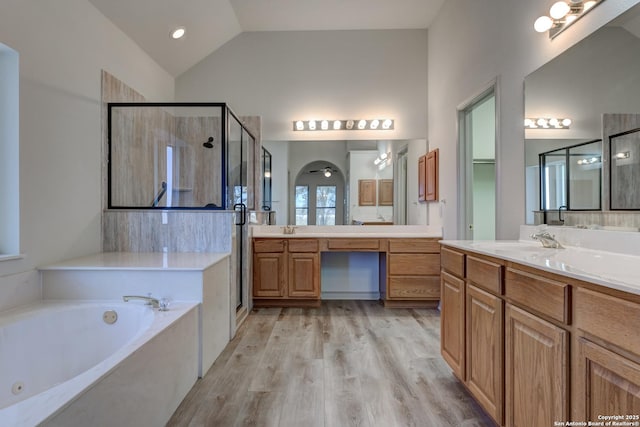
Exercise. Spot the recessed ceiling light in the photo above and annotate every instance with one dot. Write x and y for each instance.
(178, 33)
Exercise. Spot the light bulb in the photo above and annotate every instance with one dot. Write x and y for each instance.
(324, 125)
(559, 10)
(383, 156)
(554, 122)
(569, 19)
(566, 122)
(349, 124)
(387, 124)
(299, 125)
(362, 124)
(312, 125)
(374, 124)
(178, 33)
(337, 124)
(588, 5)
(267, 174)
(542, 122)
(327, 173)
(376, 161)
(528, 123)
(542, 24)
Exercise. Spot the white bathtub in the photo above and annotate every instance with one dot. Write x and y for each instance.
(62, 364)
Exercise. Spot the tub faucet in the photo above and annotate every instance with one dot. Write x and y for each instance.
(153, 302)
(548, 240)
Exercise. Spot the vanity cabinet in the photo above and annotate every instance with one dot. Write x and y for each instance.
(285, 270)
(431, 176)
(608, 356)
(422, 178)
(367, 192)
(536, 385)
(535, 347)
(413, 271)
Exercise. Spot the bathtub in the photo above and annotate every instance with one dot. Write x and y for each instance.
(96, 363)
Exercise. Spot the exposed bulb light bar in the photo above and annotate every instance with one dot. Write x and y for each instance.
(562, 14)
(359, 124)
(547, 123)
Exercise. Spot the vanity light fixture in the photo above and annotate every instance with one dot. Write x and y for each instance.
(382, 160)
(623, 155)
(589, 160)
(178, 33)
(547, 123)
(359, 124)
(562, 14)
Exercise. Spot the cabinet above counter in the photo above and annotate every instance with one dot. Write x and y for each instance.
(347, 231)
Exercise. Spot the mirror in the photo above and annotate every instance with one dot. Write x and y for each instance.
(349, 163)
(596, 83)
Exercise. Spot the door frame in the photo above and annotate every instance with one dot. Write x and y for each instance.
(464, 167)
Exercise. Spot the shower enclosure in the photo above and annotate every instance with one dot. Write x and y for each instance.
(178, 156)
(182, 156)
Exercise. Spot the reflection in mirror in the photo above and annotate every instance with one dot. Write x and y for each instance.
(625, 170)
(596, 83)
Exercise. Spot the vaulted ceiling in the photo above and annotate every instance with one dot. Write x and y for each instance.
(211, 23)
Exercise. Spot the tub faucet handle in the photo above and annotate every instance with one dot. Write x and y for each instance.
(163, 304)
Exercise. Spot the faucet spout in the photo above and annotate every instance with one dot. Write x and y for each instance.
(153, 302)
(548, 240)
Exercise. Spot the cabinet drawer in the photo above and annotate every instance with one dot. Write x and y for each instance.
(485, 274)
(353, 244)
(414, 264)
(303, 245)
(411, 287)
(452, 261)
(268, 245)
(546, 296)
(414, 246)
(612, 319)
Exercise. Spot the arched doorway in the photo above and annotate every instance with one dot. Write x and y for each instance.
(318, 195)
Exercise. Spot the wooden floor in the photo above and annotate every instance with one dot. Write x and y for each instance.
(347, 363)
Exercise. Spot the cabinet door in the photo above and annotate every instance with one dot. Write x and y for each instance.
(608, 384)
(452, 322)
(367, 192)
(422, 178)
(536, 370)
(304, 275)
(484, 344)
(385, 192)
(268, 275)
(431, 176)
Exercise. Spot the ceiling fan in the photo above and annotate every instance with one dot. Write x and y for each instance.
(327, 171)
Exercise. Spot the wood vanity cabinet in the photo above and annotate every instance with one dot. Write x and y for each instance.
(413, 272)
(367, 192)
(607, 379)
(452, 325)
(286, 270)
(431, 176)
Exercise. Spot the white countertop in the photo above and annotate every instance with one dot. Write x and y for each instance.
(609, 269)
(174, 261)
(349, 231)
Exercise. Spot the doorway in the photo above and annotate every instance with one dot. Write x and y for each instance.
(477, 167)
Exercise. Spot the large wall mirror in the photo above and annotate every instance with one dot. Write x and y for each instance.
(324, 182)
(596, 84)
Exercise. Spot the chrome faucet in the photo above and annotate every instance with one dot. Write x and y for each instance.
(153, 302)
(548, 240)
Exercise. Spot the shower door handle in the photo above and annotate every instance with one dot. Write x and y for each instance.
(242, 212)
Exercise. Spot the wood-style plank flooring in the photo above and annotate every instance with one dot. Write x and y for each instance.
(347, 363)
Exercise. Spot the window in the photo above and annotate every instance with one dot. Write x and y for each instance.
(326, 205)
(302, 205)
(9, 157)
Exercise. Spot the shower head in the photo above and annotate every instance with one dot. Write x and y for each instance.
(208, 144)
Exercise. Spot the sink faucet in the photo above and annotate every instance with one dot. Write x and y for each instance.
(547, 240)
(153, 302)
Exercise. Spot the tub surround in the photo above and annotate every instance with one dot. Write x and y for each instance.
(200, 277)
(112, 391)
(520, 320)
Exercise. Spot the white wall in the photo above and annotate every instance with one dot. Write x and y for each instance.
(470, 44)
(63, 46)
(361, 167)
(291, 75)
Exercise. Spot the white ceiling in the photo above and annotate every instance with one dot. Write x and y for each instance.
(211, 23)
